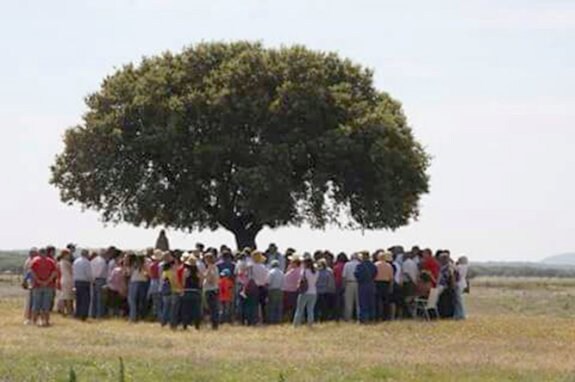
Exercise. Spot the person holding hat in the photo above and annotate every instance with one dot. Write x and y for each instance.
(383, 284)
(192, 298)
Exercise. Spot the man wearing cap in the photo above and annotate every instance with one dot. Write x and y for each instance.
(82, 272)
(44, 274)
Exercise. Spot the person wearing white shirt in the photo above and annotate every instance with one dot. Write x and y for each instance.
(82, 275)
(100, 274)
(275, 293)
(410, 269)
(260, 276)
(350, 296)
(461, 271)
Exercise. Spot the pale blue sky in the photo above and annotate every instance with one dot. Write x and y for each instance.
(488, 87)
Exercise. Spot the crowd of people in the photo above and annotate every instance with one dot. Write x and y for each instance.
(250, 287)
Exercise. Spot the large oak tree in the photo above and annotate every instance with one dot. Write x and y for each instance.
(239, 136)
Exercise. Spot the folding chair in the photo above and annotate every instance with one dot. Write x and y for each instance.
(428, 305)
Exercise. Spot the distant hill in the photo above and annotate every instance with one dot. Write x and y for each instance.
(12, 260)
(563, 259)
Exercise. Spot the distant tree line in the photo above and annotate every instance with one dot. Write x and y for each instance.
(520, 270)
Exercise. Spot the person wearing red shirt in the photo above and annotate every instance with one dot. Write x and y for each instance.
(339, 285)
(226, 285)
(430, 265)
(44, 274)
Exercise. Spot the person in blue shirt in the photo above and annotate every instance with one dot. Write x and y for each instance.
(365, 274)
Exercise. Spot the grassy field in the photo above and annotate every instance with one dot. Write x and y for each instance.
(518, 330)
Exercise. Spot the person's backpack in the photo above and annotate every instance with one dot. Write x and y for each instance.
(303, 284)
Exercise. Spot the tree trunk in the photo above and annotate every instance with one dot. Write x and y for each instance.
(246, 238)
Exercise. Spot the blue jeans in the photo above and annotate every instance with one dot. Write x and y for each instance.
(137, 291)
(42, 299)
(305, 302)
(97, 306)
(459, 308)
(82, 299)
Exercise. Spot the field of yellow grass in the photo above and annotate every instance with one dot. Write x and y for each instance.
(517, 330)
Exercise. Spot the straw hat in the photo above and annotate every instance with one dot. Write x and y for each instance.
(157, 255)
(258, 257)
(294, 257)
(385, 256)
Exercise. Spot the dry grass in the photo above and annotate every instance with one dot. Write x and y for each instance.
(494, 344)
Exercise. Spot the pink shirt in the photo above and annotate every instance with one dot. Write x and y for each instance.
(117, 281)
(291, 280)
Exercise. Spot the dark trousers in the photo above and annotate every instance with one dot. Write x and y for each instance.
(82, 299)
(324, 308)
(290, 303)
(250, 311)
(214, 307)
(366, 293)
(382, 297)
(191, 310)
(275, 306)
(263, 298)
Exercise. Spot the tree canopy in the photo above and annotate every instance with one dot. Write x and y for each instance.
(240, 136)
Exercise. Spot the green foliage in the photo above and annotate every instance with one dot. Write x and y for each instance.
(241, 137)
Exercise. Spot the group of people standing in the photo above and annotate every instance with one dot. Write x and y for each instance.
(250, 287)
